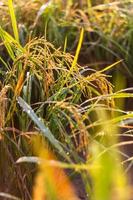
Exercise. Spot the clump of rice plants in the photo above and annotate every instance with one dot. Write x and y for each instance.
(107, 24)
(45, 93)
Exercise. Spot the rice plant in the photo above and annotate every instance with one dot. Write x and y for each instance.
(73, 109)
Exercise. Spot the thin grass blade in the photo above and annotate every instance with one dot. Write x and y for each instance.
(13, 20)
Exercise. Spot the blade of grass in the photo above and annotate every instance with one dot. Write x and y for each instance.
(54, 163)
(5, 64)
(12, 46)
(7, 44)
(13, 20)
(78, 49)
(75, 59)
(110, 66)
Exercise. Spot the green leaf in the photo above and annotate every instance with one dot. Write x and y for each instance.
(13, 20)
